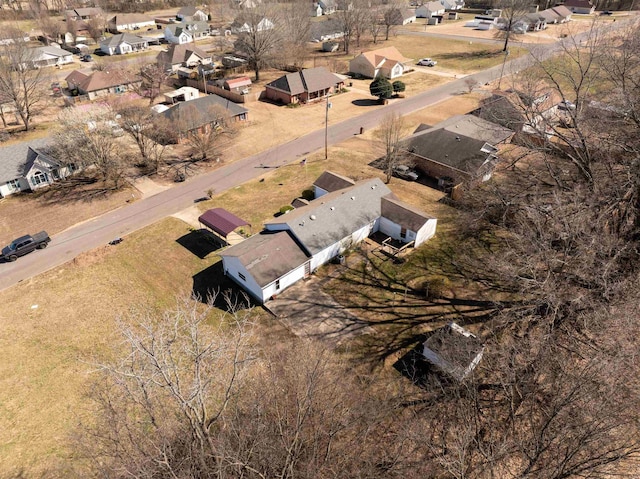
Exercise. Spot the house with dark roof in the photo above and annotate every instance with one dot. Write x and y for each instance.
(584, 7)
(387, 62)
(453, 350)
(186, 32)
(224, 224)
(201, 114)
(123, 43)
(47, 56)
(187, 56)
(190, 14)
(123, 22)
(329, 181)
(462, 149)
(563, 13)
(328, 6)
(306, 86)
(295, 244)
(29, 165)
(96, 83)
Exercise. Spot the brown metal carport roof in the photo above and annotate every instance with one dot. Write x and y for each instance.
(221, 221)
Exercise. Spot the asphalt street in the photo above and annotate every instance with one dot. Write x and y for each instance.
(118, 223)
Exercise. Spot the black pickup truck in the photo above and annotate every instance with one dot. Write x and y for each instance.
(23, 245)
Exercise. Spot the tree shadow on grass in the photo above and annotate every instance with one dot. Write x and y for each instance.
(74, 189)
(365, 102)
(200, 242)
(212, 286)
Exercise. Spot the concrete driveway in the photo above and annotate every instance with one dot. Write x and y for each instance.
(310, 313)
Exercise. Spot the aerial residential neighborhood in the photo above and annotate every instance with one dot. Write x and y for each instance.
(338, 238)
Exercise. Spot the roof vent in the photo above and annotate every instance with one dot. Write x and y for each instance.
(353, 197)
(312, 217)
(458, 138)
(373, 187)
(332, 208)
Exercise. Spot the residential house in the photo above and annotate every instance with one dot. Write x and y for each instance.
(306, 86)
(123, 43)
(29, 165)
(430, 9)
(452, 4)
(550, 16)
(329, 181)
(187, 55)
(563, 13)
(201, 114)
(328, 6)
(186, 32)
(130, 21)
(453, 350)
(536, 22)
(96, 83)
(297, 243)
(387, 62)
(461, 149)
(239, 85)
(191, 14)
(88, 13)
(330, 29)
(243, 25)
(11, 35)
(400, 16)
(583, 7)
(48, 56)
(527, 114)
(247, 4)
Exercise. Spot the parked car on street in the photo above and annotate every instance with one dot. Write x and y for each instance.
(404, 172)
(24, 245)
(427, 62)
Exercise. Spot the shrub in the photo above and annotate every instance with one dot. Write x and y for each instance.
(286, 208)
(382, 88)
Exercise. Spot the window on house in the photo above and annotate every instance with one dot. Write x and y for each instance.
(242, 276)
(39, 178)
(277, 284)
(14, 184)
(403, 232)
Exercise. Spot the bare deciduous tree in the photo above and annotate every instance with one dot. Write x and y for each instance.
(26, 88)
(260, 39)
(391, 131)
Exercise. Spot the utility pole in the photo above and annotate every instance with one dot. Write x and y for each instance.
(326, 128)
(506, 54)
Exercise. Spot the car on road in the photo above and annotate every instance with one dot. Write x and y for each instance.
(606, 12)
(24, 245)
(404, 172)
(427, 62)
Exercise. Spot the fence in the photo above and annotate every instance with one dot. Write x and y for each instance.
(229, 95)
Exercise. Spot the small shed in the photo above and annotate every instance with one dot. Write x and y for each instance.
(224, 224)
(453, 350)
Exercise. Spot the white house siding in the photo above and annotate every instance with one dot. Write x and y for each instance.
(132, 26)
(426, 232)
(233, 268)
(324, 256)
(397, 71)
(6, 189)
(284, 281)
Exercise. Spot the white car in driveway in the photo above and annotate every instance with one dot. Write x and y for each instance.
(427, 62)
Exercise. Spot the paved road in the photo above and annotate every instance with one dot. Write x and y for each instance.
(98, 231)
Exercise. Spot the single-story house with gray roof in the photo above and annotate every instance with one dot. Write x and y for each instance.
(319, 231)
(47, 56)
(28, 165)
(306, 86)
(186, 32)
(201, 113)
(123, 43)
(462, 149)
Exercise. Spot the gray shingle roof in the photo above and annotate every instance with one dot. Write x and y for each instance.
(198, 112)
(330, 181)
(268, 256)
(15, 161)
(310, 80)
(334, 216)
(403, 214)
(122, 38)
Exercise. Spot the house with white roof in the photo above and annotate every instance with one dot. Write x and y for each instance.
(430, 9)
(295, 244)
(49, 56)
